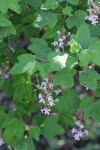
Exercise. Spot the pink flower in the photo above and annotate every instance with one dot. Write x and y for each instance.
(51, 102)
(92, 18)
(79, 131)
(41, 99)
(45, 110)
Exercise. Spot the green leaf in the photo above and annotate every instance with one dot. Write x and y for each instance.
(71, 62)
(66, 119)
(89, 78)
(57, 61)
(94, 50)
(2, 116)
(39, 47)
(85, 102)
(23, 90)
(26, 63)
(97, 92)
(45, 18)
(24, 144)
(6, 86)
(4, 22)
(44, 70)
(64, 77)
(51, 33)
(74, 47)
(49, 5)
(67, 11)
(35, 132)
(92, 54)
(95, 31)
(5, 31)
(73, 2)
(93, 111)
(35, 3)
(51, 127)
(77, 19)
(84, 39)
(84, 57)
(14, 128)
(69, 101)
(10, 4)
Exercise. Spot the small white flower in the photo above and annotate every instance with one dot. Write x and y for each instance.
(46, 79)
(55, 43)
(42, 101)
(60, 39)
(68, 43)
(57, 50)
(57, 91)
(77, 137)
(58, 32)
(64, 37)
(56, 100)
(1, 142)
(40, 96)
(44, 84)
(86, 132)
(50, 85)
(79, 124)
(61, 45)
(73, 130)
(80, 133)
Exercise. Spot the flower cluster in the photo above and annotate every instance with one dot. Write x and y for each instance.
(4, 71)
(4, 75)
(1, 142)
(46, 97)
(79, 131)
(63, 40)
(94, 12)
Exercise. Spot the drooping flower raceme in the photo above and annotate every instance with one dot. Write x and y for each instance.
(79, 131)
(4, 71)
(94, 11)
(63, 40)
(46, 98)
